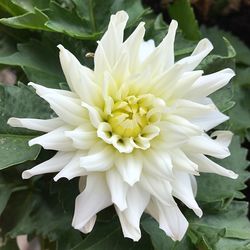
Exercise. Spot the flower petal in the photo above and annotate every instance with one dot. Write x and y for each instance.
(118, 189)
(54, 164)
(170, 219)
(208, 84)
(137, 201)
(162, 57)
(182, 189)
(55, 140)
(207, 166)
(100, 161)
(109, 47)
(94, 198)
(72, 169)
(83, 137)
(202, 49)
(36, 124)
(80, 79)
(205, 145)
(159, 188)
(129, 167)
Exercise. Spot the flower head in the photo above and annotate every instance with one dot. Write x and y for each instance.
(135, 126)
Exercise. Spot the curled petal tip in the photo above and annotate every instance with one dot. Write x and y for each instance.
(13, 122)
(26, 175)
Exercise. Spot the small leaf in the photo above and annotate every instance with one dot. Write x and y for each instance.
(30, 20)
(39, 60)
(182, 11)
(14, 147)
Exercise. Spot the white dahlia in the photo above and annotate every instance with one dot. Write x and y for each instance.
(135, 126)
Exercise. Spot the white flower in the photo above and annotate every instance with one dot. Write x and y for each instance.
(136, 127)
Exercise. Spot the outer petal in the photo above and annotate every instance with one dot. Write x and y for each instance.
(158, 188)
(208, 84)
(202, 49)
(129, 167)
(137, 201)
(208, 166)
(56, 163)
(55, 140)
(36, 124)
(93, 199)
(72, 169)
(163, 56)
(118, 189)
(83, 137)
(100, 161)
(182, 189)
(205, 145)
(80, 79)
(146, 49)
(67, 107)
(170, 219)
(110, 45)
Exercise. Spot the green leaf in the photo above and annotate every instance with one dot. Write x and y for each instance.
(182, 11)
(14, 147)
(239, 121)
(11, 8)
(64, 21)
(231, 223)
(39, 61)
(30, 20)
(30, 5)
(225, 188)
(223, 98)
(215, 36)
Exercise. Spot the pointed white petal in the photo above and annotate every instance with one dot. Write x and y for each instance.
(137, 201)
(208, 166)
(137, 47)
(163, 56)
(182, 162)
(223, 137)
(72, 169)
(182, 189)
(159, 188)
(118, 188)
(36, 124)
(208, 84)
(205, 145)
(129, 167)
(80, 79)
(208, 119)
(56, 163)
(94, 115)
(156, 162)
(69, 109)
(89, 225)
(83, 137)
(100, 161)
(110, 45)
(170, 219)
(55, 140)
(202, 49)
(94, 198)
(146, 49)
(41, 91)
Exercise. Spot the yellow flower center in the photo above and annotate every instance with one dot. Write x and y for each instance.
(131, 122)
(128, 117)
